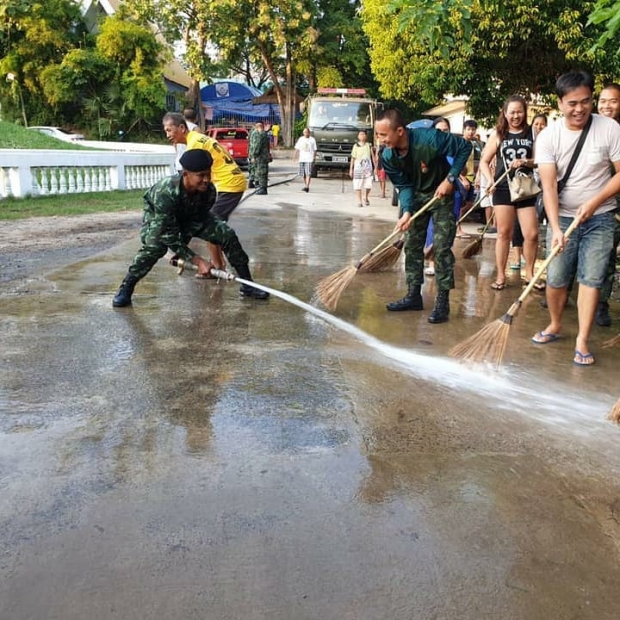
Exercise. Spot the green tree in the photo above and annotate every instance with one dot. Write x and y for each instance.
(607, 14)
(517, 46)
(33, 37)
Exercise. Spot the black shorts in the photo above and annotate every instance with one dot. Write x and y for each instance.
(502, 197)
(225, 204)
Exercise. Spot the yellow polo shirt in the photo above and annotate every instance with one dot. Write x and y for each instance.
(225, 174)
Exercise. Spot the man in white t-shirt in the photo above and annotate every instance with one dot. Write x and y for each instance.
(305, 152)
(588, 196)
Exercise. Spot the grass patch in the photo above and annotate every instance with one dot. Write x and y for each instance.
(17, 137)
(70, 204)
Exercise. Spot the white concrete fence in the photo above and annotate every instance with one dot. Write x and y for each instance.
(26, 172)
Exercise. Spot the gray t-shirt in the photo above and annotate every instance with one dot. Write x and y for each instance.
(592, 171)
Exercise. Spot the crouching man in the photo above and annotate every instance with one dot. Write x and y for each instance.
(177, 209)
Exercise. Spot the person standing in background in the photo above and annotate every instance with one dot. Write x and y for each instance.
(305, 153)
(275, 132)
(360, 169)
(191, 118)
(258, 153)
(609, 105)
(512, 147)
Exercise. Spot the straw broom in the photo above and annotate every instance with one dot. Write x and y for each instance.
(613, 342)
(331, 288)
(385, 259)
(614, 414)
(490, 342)
(475, 246)
(483, 196)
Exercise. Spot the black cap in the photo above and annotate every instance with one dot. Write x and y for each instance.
(196, 160)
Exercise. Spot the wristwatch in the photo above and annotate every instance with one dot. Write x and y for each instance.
(451, 179)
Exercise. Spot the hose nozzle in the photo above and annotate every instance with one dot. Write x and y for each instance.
(182, 265)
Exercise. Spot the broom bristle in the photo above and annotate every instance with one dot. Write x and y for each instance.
(381, 261)
(613, 342)
(472, 248)
(331, 288)
(614, 414)
(488, 344)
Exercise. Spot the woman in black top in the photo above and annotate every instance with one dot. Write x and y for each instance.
(513, 144)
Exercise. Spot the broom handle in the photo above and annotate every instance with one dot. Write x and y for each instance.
(486, 192)
(487, 225)
(552, 255)
(397, 232)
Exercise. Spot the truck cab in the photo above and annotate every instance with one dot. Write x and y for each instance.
(335, 117)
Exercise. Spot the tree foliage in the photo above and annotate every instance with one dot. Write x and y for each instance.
(106, 81)
(517, 46)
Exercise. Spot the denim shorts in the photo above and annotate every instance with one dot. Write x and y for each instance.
(586, 252)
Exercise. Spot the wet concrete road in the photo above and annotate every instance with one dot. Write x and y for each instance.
(203, 456)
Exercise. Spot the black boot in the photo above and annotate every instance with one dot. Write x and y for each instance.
(261, 191)
(411, 301)
(123, 297)
(602, 317)
(441, 311)
(245, 290)
(251, 184)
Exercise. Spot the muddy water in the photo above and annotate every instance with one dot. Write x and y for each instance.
(205, 456)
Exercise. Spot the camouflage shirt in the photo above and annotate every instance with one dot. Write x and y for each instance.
(172, 216)
(258, 147)
(418, 173)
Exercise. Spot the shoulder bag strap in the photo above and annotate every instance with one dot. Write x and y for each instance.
(575, 157)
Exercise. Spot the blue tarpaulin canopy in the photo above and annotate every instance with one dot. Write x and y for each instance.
(232, 100)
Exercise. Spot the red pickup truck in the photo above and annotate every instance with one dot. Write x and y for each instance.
(235, 140)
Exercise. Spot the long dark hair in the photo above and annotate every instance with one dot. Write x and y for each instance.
(501, 128)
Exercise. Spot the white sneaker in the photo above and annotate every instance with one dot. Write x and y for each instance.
(429, 271)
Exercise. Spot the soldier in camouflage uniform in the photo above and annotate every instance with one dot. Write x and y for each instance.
(176, 209)
(258, 153)
(415, 161)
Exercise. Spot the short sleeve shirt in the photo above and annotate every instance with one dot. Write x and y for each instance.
(592, 171)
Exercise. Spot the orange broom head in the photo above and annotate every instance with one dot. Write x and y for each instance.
(472, 248)
(329, 290)
(382, 261)
(487, 345)
(614, 414)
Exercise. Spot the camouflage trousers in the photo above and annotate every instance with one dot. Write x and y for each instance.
(611, 266)
(444, 226)
(260, 173)
(209, 228)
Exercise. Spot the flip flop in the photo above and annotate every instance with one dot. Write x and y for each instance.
(498, 286)
(543, 338)
(540, 286)
(583, 359)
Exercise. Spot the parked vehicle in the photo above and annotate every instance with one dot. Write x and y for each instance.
(335, 117)
(235, 140)
(59, 133)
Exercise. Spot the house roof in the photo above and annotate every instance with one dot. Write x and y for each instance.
(173, 70)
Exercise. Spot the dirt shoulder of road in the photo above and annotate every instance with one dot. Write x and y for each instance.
(31, 246)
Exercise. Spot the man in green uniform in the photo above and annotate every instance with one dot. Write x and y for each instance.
(176, 209)
(258, 152)
(415, 160)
